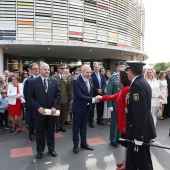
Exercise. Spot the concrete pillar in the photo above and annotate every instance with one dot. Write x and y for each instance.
(1, 61)
(133, 57)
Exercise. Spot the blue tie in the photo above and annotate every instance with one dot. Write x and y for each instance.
(99, 79)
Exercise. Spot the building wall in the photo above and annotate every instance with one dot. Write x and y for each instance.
(111, 22)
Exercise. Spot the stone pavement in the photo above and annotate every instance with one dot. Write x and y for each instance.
(17, 152)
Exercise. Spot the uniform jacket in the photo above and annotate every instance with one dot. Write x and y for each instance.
(12, 94)
(64, 88)
(40, 98)
(139, 121)
(96, 83)
(120, 98)
(81, 95)
(113, 87)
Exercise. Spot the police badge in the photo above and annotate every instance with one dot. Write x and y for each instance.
(136, 96)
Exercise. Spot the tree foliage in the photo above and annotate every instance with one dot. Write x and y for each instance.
(161, 66)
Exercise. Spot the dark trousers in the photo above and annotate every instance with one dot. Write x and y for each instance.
(80, 126)
(45, 133)
(30, 120)
(138, 160)
(4, 117)
(91, 114)
(62, 118)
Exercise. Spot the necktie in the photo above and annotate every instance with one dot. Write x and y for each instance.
(99, 80)
(87, 85)
(45, 85)
(61, 77)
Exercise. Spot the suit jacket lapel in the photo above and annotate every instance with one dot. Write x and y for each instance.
(84, 84)
(49, 85)
(41, 84)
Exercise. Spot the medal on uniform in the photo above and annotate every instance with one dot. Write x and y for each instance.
(136, 96)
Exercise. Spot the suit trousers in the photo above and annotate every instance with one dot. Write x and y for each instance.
(138, 160)
(80, 125)
(114, 132)
(62, 118)
(30, 120)
(45, 129)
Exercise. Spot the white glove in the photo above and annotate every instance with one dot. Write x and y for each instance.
(110, 109)
(138, 142)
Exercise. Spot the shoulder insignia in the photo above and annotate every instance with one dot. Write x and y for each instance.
(136, 96)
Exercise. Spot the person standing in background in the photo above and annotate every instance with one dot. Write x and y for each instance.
(63, 83)
(99, 85)
(4, 110)
(15, 95)
(164, 91)
(114, 87)
(167, 106)
(156, 100)
(44, 93)
(106, 112)
(34, 69)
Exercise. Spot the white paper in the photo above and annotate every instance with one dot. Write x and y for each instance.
(48, 112)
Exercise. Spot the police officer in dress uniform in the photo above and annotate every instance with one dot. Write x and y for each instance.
(139, 122)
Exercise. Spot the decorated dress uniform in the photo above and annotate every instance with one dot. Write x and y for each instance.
(139, 122)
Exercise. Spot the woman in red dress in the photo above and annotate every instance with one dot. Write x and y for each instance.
(120, 98)
(15, 95)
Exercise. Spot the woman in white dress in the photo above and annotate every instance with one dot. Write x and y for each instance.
(106, 112)
(164, 91)
(156, 100)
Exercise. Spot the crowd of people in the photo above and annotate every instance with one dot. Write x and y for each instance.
(129, 100)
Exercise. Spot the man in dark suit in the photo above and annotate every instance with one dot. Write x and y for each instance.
(44, 93)
(83, 89)
(139, 122)
(167, 106)
(99, 85)
(34, 68)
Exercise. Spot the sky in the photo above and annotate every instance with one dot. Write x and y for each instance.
(157, 30)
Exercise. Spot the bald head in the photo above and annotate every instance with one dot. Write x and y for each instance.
(44, 70)
(86, 71)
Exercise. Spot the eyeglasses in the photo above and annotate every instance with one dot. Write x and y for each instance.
(62, 68)
(35, 69)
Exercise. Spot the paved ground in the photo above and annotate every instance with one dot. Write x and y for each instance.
(18, 153)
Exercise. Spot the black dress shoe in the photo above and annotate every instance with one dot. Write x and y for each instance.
(39, 155)
(32, 138)
(53, 153)
(62, 129)
(100, 123)
(92, 125)
(57, 130)
(114, 144)
(86, 146)
(67, 123)
(76, 149)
